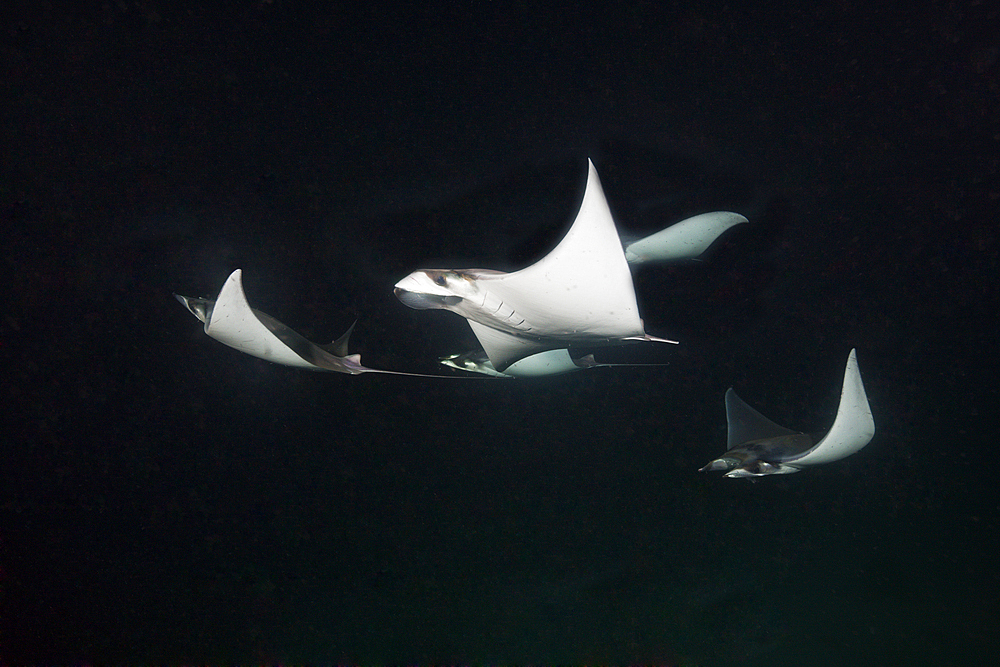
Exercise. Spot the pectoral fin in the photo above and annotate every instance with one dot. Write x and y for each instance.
(853, 428)
(686, 239)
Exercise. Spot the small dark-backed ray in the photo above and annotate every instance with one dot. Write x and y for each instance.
(758, 446)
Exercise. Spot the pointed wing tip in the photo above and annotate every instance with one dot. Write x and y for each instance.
(235, 280)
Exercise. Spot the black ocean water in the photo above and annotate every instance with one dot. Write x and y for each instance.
(166, 499)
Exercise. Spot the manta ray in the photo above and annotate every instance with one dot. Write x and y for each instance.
(758, 446)
(551, 362)
(230, 320)
(581, 293)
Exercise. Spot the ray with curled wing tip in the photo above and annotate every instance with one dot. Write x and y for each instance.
(758, 446)
(230, 320)
(551, 362)
(580, 293)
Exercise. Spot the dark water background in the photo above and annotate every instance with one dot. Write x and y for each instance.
(165, 499)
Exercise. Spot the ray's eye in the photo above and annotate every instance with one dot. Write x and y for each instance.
(440, 280)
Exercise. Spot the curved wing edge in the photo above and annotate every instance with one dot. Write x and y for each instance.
(853, 428)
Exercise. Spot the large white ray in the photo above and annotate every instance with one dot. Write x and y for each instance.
(581, 292)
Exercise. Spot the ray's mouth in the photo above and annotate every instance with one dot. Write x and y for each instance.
(423, 301)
